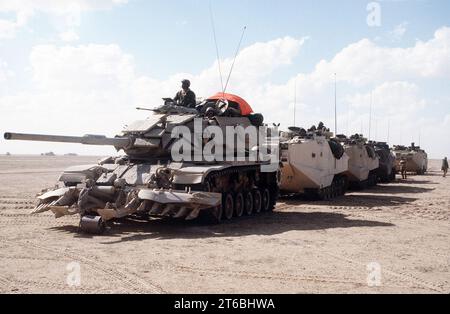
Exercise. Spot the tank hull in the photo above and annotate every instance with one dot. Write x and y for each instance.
(195, 190)
(361, 166)
(416, 162)
(310, 165)
(387, 169)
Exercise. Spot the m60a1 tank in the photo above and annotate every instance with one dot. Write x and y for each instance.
(386, 171)
(148, 181)
(416, 158)
(363, 161)
(313, 163)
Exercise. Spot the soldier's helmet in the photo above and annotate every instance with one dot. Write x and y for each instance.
(186, 83)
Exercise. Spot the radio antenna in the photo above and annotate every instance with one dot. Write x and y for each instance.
(295, 99)
(335, 105)
(217, 47)
(388, 129)
(235, 56)
(420, 133)
(370, 115)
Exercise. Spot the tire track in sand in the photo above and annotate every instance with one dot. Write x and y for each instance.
(131, 279)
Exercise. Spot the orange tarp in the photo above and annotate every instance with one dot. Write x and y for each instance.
(243, 105)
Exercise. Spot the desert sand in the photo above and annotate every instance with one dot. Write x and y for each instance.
(302, 247)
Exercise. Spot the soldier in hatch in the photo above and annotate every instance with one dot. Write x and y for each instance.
(185, 97)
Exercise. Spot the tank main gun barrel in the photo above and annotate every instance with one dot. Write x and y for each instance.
(119, 142)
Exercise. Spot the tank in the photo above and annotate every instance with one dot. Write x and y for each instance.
(416, 158)
(149, 181)
(313, 163)
(363, 162)
(386, 171)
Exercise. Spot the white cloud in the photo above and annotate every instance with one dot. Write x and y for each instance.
(68, 10)
(398, 32)
(447, 120)
(69, 36)
(251, 72)
(76, 90)
(81, 68)
(5, 72)
(397, 104)
(7, 29)
(94, 88)
(391, 98)
(364, 62)
(57, 6)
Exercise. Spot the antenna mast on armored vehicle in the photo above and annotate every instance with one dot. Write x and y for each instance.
(335, 105)
(235, 56)
(370, 116)
(217, 47)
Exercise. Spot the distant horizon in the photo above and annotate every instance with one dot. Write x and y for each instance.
(99, 156)
(56, 155)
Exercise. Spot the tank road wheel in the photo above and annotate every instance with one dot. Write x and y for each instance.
(328, 193)
(392, 176)
(345, 185)
(342, 186)
(374, 179)
(318, 195)
(239, 205)
(333, 190)
(208, 186)
(212, 215)
(274, 192)
(257, 201)
(322, 194)
(217, 214)
(92, 224)
(265, 200)
(338, 187)
(228, 206)
(248, 203)
(362, 185)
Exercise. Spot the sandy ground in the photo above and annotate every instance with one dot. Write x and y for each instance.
(303, 247)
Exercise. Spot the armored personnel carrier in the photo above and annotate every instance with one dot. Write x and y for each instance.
(313, 163)
(386, 171)
(363, 162)
(416, 158)
(166, 170)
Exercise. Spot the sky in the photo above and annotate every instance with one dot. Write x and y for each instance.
(80, 67)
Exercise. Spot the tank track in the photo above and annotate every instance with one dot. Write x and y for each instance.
(371, 181)
(337, 188)
(245, 191)
(386, 178)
